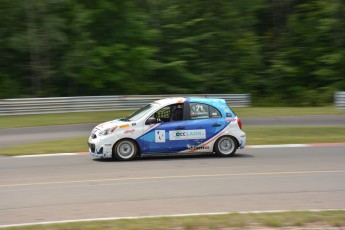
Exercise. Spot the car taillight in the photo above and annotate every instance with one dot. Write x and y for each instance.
(239, 122)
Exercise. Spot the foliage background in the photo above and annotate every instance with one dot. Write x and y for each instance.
(286, 52)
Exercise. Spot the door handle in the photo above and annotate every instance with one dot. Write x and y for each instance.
(179, 127)
(216, 125)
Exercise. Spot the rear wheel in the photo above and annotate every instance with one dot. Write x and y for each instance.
(226, 146)
(125, 150)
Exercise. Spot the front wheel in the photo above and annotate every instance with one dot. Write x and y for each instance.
(226, 146)
(125, 150)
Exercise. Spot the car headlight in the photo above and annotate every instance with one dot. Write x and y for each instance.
(107, 131)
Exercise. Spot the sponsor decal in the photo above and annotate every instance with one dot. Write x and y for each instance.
(193, 147)
(159, 135)
(229, 115)
(231, 119)
(225, 108)
(134, 124)
(124, 126)
(129, 131)
(107, 145)
(187, 134)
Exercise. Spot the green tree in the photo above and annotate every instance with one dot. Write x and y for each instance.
(44, 38)
(31, 37)
(288, 52)
(207, 46)
(119, 56)
(309, 66)
(12, 61)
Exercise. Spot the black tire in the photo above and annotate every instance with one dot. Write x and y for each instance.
(125, 150)
(226, 146)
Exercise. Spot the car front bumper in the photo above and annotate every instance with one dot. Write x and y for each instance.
(100, 147)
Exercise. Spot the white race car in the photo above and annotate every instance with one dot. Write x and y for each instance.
(170, 126)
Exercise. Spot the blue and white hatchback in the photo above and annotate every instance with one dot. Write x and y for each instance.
(170, 126)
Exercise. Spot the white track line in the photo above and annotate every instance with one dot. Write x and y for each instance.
(277, 146)
(46, 155)
(159, 216)
(172, 177)
(51, 155)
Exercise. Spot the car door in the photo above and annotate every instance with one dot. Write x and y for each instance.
(204, 120)
(164, 136)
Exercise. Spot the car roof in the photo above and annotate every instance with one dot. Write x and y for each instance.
(220, 104)
(172, 100)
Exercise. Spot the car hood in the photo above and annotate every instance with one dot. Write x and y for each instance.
(110, 124)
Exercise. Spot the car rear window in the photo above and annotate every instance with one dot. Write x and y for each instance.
(203, 111)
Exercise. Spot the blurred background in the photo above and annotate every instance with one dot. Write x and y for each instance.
(283, 53)
(265, 57)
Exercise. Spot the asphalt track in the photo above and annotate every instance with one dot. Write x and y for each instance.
(10, 137)
(38, 189)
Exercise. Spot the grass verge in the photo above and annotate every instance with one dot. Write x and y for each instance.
(59, 119)
(255, 136)
(98, 117)
(288, 111)
(71, 145)
(293, 219)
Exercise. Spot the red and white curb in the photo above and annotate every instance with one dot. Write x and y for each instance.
(247, 147)
(295, 145)
(52, 155)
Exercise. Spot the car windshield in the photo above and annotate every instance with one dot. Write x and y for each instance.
(141, 112)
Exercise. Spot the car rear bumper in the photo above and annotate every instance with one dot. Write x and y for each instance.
(242, 140)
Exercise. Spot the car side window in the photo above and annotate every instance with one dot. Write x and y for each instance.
(214, 113)
(169, 113)
(199, 111)
(162, 115)
(176, 112)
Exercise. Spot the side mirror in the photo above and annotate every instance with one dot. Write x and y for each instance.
(151, 120)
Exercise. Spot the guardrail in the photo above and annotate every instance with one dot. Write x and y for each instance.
(339, 99)
(100, 103)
